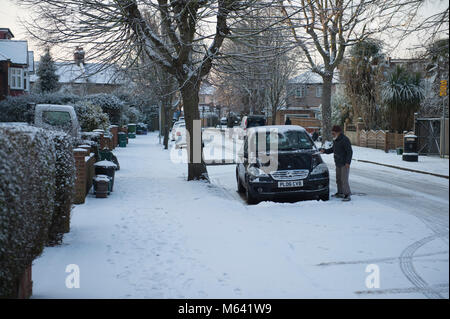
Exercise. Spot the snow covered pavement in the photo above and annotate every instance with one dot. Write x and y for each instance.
(159, 236)
(429, 164)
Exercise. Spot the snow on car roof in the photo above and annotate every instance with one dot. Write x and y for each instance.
(278, 128)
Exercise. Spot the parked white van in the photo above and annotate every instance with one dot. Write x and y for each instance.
(53, 116)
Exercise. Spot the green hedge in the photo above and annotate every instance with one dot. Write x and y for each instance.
(36, 193)
(65, 172)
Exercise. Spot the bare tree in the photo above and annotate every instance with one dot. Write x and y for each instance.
(323, 29)
(280, 69)
(152, 80)
(257, 67)
(428, 28)
(113, 30)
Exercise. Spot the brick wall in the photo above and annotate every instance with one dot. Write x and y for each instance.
(80, 181)
(90, 172)
(84, 164)
(310, 99)
(114, 130)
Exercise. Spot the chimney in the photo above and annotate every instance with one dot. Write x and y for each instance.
(78, 56)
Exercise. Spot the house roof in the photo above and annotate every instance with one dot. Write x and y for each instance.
(310, 77)
(90, 72)
(7, 30)
(14, 50)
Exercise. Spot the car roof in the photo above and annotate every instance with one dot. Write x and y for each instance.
(54, 107)
(256, 116)
(279, 128)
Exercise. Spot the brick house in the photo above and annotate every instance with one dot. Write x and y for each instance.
(16, 65)
(206, 103)
(303, 104)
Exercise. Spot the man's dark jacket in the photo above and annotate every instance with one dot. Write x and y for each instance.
(342, 149)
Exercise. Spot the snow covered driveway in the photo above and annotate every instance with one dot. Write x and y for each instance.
(159, 236)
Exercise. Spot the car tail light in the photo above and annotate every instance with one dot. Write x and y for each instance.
(178, 133)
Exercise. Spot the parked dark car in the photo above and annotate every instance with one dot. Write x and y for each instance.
(299, 170)
(253, 121)
(232, 120)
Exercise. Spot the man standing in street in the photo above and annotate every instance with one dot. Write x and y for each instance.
(288, 121)
(342, 149)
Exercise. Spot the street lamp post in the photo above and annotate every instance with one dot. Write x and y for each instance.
(443, 93)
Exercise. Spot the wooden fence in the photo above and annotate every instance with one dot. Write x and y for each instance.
(380, 139)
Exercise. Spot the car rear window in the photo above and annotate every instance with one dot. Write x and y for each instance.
(58, 119)
(254, 122)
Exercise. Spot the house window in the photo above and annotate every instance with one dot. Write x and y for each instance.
(16, 78)
(319, 91)
(300, 91)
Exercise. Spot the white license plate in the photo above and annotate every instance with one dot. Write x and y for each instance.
(286, 184)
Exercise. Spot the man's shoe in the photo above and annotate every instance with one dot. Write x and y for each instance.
(346, 198)
(338, 195)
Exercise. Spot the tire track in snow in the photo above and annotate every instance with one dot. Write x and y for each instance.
(407, 267)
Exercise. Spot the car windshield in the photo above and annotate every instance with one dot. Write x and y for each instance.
(287, 141)
(293, 140)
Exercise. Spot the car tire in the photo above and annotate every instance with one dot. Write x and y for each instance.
(240, 188)
(325, 196)
(251, 199)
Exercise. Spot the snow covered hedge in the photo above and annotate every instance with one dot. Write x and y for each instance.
(132, 115)
(109, 103)
(94, 111)
(15, 108)
(91, 116)
(65, 172)
(36, 192)
(27, 190)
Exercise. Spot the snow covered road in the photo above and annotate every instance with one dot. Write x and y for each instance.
(159, 236)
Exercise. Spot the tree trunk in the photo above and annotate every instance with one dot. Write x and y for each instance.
(274, 117)
(196, 166)
(326, 108)
(166, 121)
(163, 119)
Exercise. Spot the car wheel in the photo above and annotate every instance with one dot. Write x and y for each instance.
(325, 196)
(240, 188)
(251, 199)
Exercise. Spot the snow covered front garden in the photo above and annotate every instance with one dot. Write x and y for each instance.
(159, 236)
